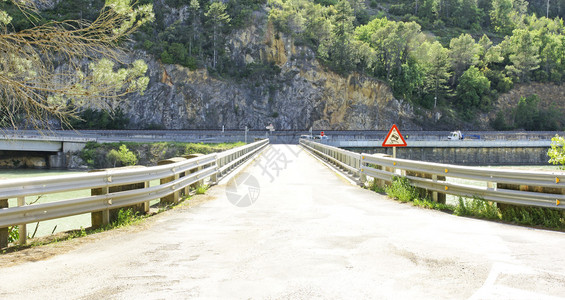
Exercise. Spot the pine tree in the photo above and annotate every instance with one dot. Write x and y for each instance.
(217, 19)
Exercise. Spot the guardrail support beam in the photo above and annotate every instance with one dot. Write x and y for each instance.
(362, 177)
(100, 218)
(109, 215)
(199, 182)
(214, 177)
(434, 193)
(3, 231)
(22, 229)
(174, 197)
(147, 204)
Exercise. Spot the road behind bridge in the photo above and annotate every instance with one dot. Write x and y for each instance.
(307, 233)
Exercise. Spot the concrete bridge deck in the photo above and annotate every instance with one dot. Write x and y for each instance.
(307, 233)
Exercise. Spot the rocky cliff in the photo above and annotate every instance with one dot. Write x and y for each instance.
(298, 94)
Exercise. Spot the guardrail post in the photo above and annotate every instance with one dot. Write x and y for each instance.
(359, 165)
(381, 182)
(491, 185)
(214, 177)
(146, 204)
(100, 218)
(109, 215)
(174, 196)
(220, 163)
(199, 182)
(436, 197)
(508, 186)
(3, 231)
(434, 193)
(22, 229)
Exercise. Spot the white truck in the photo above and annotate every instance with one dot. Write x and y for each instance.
(457, 135)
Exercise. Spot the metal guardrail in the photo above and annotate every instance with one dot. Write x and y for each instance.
(383, 167)
(230, 159)
(213, 166)
(344, 159)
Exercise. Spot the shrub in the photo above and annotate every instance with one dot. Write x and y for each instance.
(201, 189)
(478, 208)
(557, 151)
(123, 157)
(374, 186)
(126, 217)
(401, 189)
(13, 234)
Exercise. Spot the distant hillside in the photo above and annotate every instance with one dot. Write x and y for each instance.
(343, 64)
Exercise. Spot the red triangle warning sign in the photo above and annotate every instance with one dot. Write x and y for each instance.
(394, 138)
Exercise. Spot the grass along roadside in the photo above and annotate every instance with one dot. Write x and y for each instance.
(547, 218)
(401, 190)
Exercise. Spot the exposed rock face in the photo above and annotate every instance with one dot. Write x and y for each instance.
(45, 4)
(301, 96)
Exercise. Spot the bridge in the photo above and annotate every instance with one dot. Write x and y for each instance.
(290, 225)
(50, 148)
(42, 143)
(494, 148)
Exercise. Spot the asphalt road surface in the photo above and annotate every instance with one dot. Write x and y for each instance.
(289, 227)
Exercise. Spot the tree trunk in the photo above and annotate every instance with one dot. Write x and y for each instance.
(215, 53)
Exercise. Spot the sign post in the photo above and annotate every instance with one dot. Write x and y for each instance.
(394, 139)
(271, 128)
(246, 130)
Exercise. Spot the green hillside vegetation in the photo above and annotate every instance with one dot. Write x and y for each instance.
(438, 54)
(454, 54)
(448, 55)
